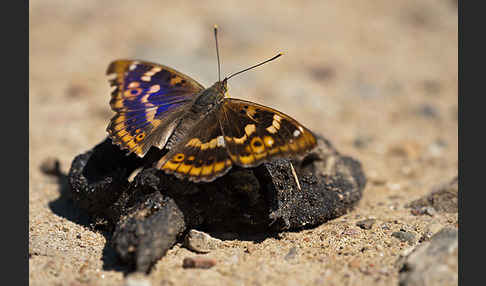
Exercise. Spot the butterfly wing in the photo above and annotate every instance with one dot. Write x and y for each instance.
(255, 133)
(201, 155)
(149, 100)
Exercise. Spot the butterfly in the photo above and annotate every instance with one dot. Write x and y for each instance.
(205, 131)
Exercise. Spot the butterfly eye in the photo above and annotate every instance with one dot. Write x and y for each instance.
(140, 136)
(133, 92)
(257, 145)
(178, 158)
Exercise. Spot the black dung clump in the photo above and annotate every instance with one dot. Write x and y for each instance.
(149, 212)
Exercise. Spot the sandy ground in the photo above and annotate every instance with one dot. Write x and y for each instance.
(376, 78)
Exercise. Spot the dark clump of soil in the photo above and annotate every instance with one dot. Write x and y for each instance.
(149, 214)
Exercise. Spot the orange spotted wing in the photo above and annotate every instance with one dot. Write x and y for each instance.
(236, 132)
(255, 133)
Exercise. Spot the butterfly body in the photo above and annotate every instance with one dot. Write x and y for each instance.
(205, 131)
(206, 101)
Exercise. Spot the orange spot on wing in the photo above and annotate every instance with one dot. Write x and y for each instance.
(183, 168)
(268, 141)
(218, 166)
(195, 171)
(120, 119)
(140, 136)
(257, 145)
(175, 80)
(246, 159)
(179, 157)
(170, 166)
(122, 133)
(117, 104)
(206, 170)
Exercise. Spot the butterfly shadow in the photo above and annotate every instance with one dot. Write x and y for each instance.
(64, 205)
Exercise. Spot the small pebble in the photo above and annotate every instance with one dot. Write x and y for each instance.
(423, 211)
(201, 242)
(428, 111)
(350, 231)
(404, 236)
(435, 150)
(385, 226)
(366, 224)
(416, 211)
(198, 262)
(291, 254)
(136, 280)
(430, 211)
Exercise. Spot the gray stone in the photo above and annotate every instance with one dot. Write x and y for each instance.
(443, 198)
(404, 236)
(366, 224)
(291, 254)
(432, 263)
(201, 242)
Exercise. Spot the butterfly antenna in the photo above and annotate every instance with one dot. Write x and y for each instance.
(257, 65)
(217, 51)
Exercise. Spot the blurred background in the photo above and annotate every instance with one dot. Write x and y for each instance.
(376, 78)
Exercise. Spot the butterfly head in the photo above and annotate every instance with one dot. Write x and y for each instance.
(221, 88)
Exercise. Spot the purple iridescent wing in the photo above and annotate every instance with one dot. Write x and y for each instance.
(149, 100)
